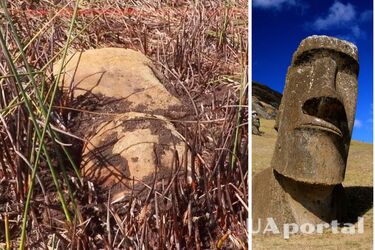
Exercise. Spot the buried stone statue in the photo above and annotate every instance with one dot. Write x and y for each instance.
(129, 144)
(314, 124)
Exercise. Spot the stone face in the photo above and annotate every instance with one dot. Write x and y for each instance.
(124, 74)
(314, 123)
(317, 111)
(131, 146)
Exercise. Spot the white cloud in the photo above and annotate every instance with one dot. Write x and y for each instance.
(339, 14)
(345, 19)
(265, 4)
(357, 123)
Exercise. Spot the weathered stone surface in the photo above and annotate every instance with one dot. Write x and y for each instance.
(133, 145)
(288, 201)
(314, 124)
(119, 73)
(317, 111)
(123, 153)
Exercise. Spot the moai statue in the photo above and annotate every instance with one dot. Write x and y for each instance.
(255, 123)
(314, 124)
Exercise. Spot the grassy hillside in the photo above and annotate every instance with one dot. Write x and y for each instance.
(358, 186)
(265, 100)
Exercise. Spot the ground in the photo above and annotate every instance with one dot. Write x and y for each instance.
(200, 50)
(358, 186)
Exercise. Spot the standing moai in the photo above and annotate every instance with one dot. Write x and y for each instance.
(314, 124)
(255, 123)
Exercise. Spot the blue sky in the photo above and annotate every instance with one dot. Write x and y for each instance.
(278, 26)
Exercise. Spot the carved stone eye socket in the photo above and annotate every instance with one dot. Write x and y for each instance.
(328, 109)
(349, 68)
(344, 62)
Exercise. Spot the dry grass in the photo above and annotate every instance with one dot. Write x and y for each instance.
(201, 48)
(358, 185)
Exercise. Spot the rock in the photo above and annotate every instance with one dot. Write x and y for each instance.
(131, 146)
(123, 74)
(130, 149)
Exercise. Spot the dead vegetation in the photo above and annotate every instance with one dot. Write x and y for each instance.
(201, 49)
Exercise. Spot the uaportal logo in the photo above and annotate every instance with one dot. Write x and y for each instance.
(309, 228)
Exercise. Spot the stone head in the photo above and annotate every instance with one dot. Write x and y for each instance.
(317, 110)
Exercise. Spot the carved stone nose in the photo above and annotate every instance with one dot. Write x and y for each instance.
(329, 110)
(324, 79)
(323, 101)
